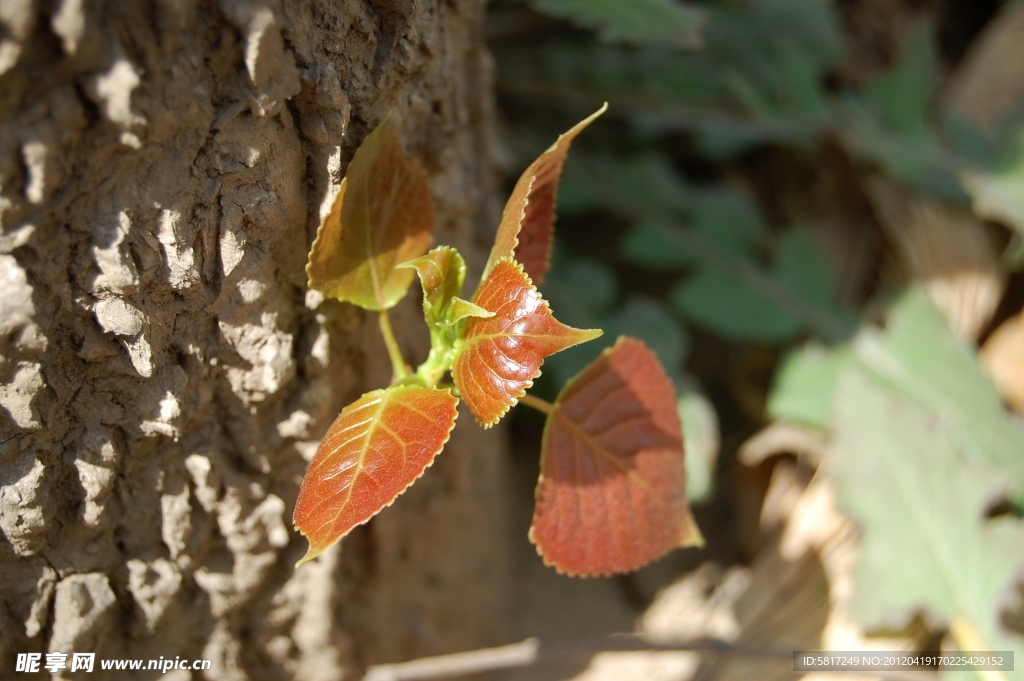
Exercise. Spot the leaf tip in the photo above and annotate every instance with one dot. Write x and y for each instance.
(693, 538)
(310, 555)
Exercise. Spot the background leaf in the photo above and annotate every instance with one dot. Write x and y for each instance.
(642, 317)
(372, 452)
(497, 358)
(903, 473)
(382, 217)
(633, 21)
(581, 289)
(804, 384)
(918, 356)
(527, 223)
(611, 496)
(903, 94)
(701, 438)
(740, 310)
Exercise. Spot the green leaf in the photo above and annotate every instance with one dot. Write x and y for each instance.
(903, 94)
(715, 300)
(736, 309)
(649, 245)
(631, 186)
(442, 272)
(997, 192)
(804, 384)
(920, 358)
(894, 131)
(701, 438)
(580, 288)
(904, 473)
(383, 216)
(463, 309)
(660, 22)
(800, 266)
(781, 49)
(802, 84)
(653, 322)
(645, 318)
(726, 216)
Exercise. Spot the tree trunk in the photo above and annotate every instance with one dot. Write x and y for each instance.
(164, 372)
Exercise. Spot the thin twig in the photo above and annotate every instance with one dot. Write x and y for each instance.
(458, 664)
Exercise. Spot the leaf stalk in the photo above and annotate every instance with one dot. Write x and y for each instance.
(537, 403)
(394, 352)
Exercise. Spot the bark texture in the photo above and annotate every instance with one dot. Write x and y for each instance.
(164, 372)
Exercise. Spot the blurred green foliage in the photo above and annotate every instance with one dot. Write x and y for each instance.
(656, 22)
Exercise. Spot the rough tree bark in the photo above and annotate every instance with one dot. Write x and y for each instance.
(165, 374)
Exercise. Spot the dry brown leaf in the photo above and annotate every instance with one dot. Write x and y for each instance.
(990, 82)
(1003, 359)
(948, 250)
(782, 437)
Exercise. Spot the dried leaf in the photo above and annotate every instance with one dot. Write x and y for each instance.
(497, 358)
(989, 81)
(948, 250)
(372, 452)
(527, 224)
(1003, 360)
(383, 216)
(612, 491)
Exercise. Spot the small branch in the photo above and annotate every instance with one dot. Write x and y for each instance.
(457, 664)
(537, 403)
(398, 364)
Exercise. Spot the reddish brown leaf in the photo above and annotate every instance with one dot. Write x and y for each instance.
(498, 357)
(527, 224)
(372, 452)
(383, 216)
(612, 490)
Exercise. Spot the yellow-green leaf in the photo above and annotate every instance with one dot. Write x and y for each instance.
(383, 216)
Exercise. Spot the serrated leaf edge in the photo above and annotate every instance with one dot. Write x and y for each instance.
(459, 344)
(697, 540)
(342, 188)
(571, 133)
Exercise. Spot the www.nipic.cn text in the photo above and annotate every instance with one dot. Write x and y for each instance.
(30, 663)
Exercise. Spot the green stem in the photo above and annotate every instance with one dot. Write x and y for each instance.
(397, 363)
(537, 403)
